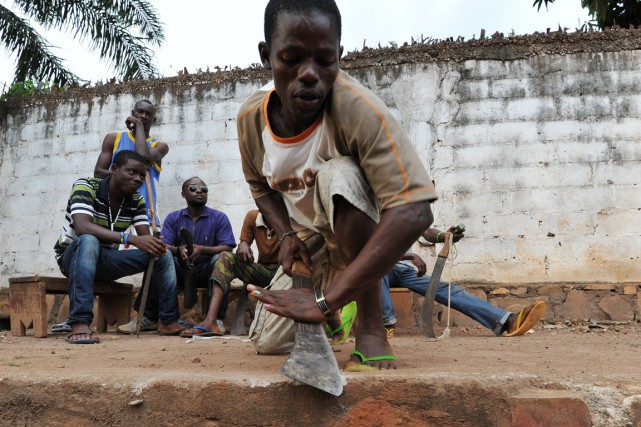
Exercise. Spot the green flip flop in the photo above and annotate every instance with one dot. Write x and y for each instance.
(348, 315)
(362, 367)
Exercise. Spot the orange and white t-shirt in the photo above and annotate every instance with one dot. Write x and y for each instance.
(354, 122)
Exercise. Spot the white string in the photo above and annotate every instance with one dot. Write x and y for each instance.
(453, 253)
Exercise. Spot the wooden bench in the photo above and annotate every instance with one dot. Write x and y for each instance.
(403, 299)
(29, 306)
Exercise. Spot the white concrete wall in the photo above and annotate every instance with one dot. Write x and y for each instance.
(538, 157)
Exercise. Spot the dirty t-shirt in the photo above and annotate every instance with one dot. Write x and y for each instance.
(354, 122)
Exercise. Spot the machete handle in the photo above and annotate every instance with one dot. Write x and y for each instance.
(300, 269)
(187, 239)
(445, 252)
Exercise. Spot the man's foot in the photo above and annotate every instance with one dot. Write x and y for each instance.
(130, 328)
(171, 329)
(520, 323)
(391, 331)
(81, 334)
(372, 345)
(203, 329)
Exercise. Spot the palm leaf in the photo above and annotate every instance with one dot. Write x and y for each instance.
(34, 59)
(108, 27)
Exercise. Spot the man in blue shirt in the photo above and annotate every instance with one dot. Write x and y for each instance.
(212, 234)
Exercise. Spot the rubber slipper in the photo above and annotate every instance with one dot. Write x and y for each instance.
(524, 324)
(61, 327)
(348, 315)
(89, 340)
(206, 332)
(185, 324)
(391, 333)
(362, 367)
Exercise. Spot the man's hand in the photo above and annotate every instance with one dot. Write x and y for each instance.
(419, 264)
(293, 248)
(132, 122)
(457, 233)
(297, 304)
(151, 245)
(198, 250)
(184, 254)
(244, 252)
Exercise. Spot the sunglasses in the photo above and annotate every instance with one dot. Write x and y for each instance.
(194, 188)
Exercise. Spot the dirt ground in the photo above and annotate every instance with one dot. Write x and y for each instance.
(583, 357)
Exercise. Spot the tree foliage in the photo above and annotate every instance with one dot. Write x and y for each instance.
(608, 13)
(121, 31)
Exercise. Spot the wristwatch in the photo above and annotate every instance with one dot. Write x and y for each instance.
(322, 304)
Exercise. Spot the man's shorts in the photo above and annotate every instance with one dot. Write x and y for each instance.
(272, 334)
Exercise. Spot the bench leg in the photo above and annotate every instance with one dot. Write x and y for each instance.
(113, 310)
(28, 307)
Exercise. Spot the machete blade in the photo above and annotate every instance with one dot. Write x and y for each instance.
(425, 319)
(312, 359)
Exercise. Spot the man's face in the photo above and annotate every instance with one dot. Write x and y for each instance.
(130, 176)
(146, 113)
(195, 192)
(303, 59)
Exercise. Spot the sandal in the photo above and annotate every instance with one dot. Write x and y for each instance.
(362, 367)
(391, 332)
(348, 315)
(90, 340)
(527, 322)
(205, 332)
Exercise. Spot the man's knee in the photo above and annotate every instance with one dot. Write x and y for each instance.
(88, 245)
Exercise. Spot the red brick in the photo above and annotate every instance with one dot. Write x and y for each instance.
(549, 408)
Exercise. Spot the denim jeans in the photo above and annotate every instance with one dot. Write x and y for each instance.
(404, 276)
(85, 261)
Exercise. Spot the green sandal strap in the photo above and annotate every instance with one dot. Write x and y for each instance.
(373, 358)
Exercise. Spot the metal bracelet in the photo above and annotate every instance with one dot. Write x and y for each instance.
(322, 304)
(289, 233)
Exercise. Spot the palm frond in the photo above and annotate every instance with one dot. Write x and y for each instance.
(107, 27)
(34, 59)
(71, 14)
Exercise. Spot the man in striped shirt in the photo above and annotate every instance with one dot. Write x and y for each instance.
(99, 211)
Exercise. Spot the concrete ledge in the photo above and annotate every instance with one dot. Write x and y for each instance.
(462, 381)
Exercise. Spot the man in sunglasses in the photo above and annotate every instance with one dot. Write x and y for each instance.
(211, 232)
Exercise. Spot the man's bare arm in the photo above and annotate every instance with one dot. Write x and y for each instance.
(153, 155)
(398, 229)
(273, 208)
(104, 159)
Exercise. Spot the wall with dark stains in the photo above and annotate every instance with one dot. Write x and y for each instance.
(532, 141)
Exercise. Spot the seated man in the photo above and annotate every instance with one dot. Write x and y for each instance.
(211, 234)
(499, 321)
(241, 266)
(99, 211)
